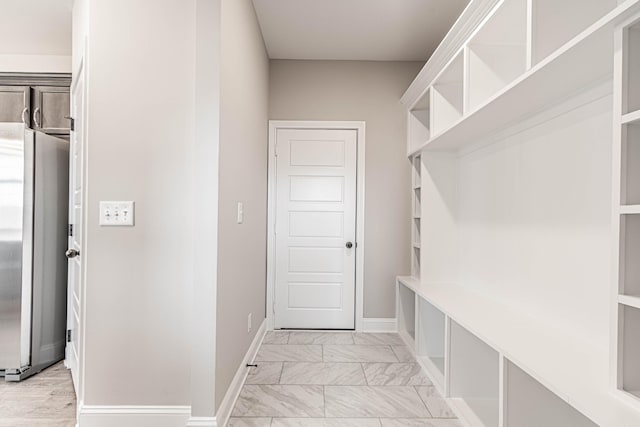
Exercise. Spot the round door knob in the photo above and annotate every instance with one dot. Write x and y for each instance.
(71, 253)
(349, 245)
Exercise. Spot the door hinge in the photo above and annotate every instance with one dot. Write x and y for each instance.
(274, 307)
(68, 335)
(70, 230)
(276, 149)
(72, 122)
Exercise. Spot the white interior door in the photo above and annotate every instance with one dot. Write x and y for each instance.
(74, 254)
(315, 253)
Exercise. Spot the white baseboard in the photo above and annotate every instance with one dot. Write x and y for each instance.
(384, 324)
(224, 411)
(202, 422)
(133, 416)
(170, 416)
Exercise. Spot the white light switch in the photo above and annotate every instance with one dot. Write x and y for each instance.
(116, 213)
(240, 212)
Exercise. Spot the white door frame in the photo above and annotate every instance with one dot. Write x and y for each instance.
(359, 127)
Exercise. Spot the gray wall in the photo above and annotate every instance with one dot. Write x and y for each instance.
(369, 91)
(243, 178)
(140, 147)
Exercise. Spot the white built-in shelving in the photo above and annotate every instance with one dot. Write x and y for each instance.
(563, 53)
(626, 179)
(483, 335)
(416, 217)
(535, 80)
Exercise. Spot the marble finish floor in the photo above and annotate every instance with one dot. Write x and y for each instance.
(331, 379)
(45, 399)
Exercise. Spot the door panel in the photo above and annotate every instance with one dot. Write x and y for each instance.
(315, 218)
(74, 283)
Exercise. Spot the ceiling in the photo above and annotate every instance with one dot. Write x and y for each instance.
(35, 27)
(377, 30)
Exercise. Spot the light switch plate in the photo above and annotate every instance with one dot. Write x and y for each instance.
(117, 214)
(240, 213)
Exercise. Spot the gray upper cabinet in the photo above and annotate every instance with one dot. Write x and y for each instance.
(51, 109)
(15, 104)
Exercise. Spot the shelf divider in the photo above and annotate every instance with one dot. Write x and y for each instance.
(631, 117)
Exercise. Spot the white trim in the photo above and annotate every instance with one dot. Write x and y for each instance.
(371, 324)
(224, 411)
(359, 127)
(133, 416)
(202, 422)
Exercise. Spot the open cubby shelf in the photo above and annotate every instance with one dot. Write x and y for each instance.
(430, 341)
(526, 397)
(448, 96)
(545, 46)
(631, 97)
(497, 54)
(406, 309)
(629, 275)
(474, 374)
(555, 22)
(631, 164)
(629, 351)
(419, 121)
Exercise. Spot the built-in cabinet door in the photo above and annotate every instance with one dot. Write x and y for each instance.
(15, 104)
(51, 109)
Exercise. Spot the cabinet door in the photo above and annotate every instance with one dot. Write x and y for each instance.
(50, 109)
(15, 104)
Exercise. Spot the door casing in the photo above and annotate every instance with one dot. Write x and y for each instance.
(359, 127)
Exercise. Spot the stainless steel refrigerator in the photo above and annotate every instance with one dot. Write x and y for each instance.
(34, 189)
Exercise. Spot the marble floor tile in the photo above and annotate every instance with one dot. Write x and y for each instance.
(276, 337)
(358, 353)
(395, 374)
(437, 406)
(323, 373)
(325, 422)
(403, 353)
(321, 338)
(280, 401)
(367, 338)
(265, 373)
(418, 422)
(364, 401)
(249, 422)
(289, 353)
